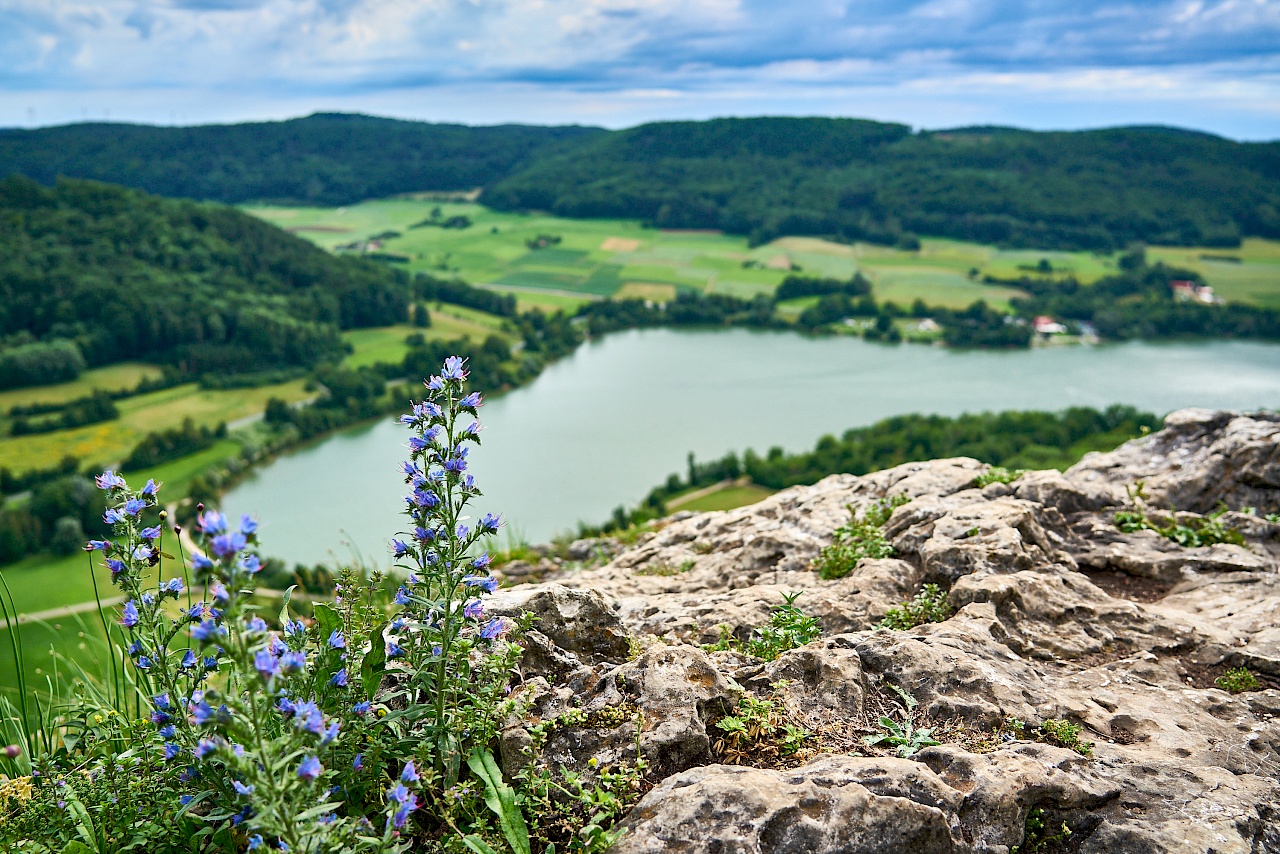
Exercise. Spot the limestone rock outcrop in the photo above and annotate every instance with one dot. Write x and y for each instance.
(1060, 619)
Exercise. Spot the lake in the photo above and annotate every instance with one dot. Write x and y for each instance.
(604, 425)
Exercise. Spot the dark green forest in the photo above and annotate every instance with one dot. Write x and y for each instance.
(323, 159)
(764, 177)
(93, 273)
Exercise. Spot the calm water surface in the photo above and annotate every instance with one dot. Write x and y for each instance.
(603, 426)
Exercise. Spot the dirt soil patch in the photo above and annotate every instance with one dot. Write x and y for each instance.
(1132, 587)
(619, 244)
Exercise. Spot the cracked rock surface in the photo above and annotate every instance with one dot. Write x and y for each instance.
(1058, 615)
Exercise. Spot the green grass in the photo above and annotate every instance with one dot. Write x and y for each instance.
(726, 498)
(118, 377)
(111, 441)
(176, 476)
(493, 252)
(40, 582)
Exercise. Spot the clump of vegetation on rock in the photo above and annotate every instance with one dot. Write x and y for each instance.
(860, 537)
(930, 605)
(1206, 531)
(1237, 680)
(788, 628)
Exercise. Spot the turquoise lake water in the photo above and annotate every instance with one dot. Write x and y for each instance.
(604, 425)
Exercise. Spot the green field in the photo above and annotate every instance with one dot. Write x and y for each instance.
(119, 377)
(605, 257)
(723, 498)
(111, 441)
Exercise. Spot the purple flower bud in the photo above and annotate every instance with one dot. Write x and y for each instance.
(310, 768)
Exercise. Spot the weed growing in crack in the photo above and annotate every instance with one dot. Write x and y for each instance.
(1205, 531)
(1237, 680)
(859, 538)
(904, 735)
(758, 731)
(930, 605)
(997, 474)
(788, 628)
(1036, 836)
(1063, 733)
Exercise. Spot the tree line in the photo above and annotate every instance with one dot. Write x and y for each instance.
(1013, 439)
(844, 179)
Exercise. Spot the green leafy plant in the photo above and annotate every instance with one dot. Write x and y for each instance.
(1065, 734)
(860, 537)
(666, 570)
(930, 605)
(1237, 680)
(1036, 836)
(904, 735)
(788, 628)
(998, 474)
(1205, 531)
(758, 729)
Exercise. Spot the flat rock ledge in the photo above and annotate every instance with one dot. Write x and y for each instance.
(1059, 616)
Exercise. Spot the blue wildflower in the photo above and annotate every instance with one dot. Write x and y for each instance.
(171, 751)
(200, 563)
(255, 842)
(402, 596)
(152, 533)
(186, 800)
(293, 660)
(399, 549)
(113, 517)
(454, 368)
(362, 707)
(295, 628)
(256, 624)
(250, 564)
(336, 640)
(470, 402)
(167, 732)
(339, 678)
(490, 523)
(134, 506)
(151, 488)
(116, 566)
(204, 747)
(129, 615)
(188, 660)
(207, 631)
(96, 546)
(142, 552)
(212, 522)
(173, 586)
(226, 545)
(409, 774)
(109, 480)
(241, 789)
(493, 629)
(394, 650)
(486, 582)
(482, 562)
(266, 664)
(143, 663)
(248, 524)
(473, 610)
(310, 768)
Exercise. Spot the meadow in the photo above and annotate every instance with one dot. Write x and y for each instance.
(610, 257)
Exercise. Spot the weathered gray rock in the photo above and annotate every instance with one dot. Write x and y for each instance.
(1058, 615)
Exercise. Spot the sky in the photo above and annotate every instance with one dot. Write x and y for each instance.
(1211, 65)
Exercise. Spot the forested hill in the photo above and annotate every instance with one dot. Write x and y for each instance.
(764, 177)
(95, 273)
(860, 180)
(323, 159)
